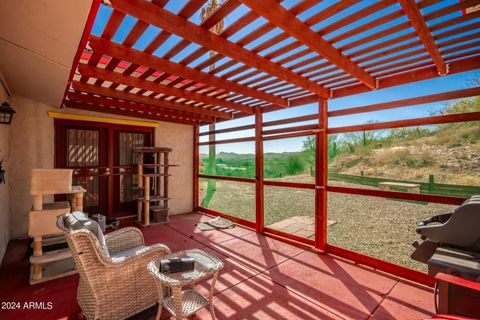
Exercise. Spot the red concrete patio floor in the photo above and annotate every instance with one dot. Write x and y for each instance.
(263, 279)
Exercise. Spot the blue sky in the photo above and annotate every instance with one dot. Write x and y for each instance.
(449, 83)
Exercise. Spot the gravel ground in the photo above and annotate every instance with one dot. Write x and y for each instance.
(379, 227)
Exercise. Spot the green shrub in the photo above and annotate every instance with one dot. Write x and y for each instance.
(294, 164)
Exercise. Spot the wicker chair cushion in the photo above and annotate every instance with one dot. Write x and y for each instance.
(78, 220)
(121, 255)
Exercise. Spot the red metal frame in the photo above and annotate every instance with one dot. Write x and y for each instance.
(382, 265)
(291, 135)
(458, 281)
(320, 244)
(397, 195)
(106, 148)
(259, 176)
(289, 236)
(321, 168)
(206, 143)
(196, 164)
(240, 221)
(238, 179)
(287, 239)
(299, 185)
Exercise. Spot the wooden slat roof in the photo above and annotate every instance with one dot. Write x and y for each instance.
(269, 56)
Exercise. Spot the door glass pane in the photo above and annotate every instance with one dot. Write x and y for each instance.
(127, 159)
(83, 151)
(82, 148)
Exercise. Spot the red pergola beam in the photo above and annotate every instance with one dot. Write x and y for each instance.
(83, 42)
(457, 66)
(135, 82)
(420, 25)
(285, 20)
(123, 112)
(465, 93)
(172, 23)
(246, 139)
(142, 108)
(450, 118)
(114, 93)
(141, 58)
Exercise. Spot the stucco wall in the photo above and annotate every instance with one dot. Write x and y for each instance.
(4, 190)
(32, 146)
(180, 138)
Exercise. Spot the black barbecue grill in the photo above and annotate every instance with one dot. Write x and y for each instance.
(450, 244)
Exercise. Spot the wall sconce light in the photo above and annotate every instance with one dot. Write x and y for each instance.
(6, 113)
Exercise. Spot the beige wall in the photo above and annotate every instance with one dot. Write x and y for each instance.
(180, 138)
(4, 190)
(32, 146)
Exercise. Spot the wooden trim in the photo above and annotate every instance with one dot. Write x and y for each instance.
(292, 25)
(465, 93)
(259, 172)
(451, 118)
(240, 221)
(187, 30)
(391, 268)
(397, 195)
(238, 179)
(78, 117)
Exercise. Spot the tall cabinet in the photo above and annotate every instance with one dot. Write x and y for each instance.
(152, 191)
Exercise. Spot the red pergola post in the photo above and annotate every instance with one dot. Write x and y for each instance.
(196, 163)
(259, 191)
(321, 167)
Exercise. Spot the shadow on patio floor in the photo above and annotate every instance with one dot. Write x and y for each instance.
(263, 279)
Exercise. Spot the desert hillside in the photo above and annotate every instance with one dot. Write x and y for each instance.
(451, 154)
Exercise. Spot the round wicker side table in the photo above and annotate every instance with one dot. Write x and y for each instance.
(185, 300)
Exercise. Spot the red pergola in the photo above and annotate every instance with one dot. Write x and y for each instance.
(304, 67)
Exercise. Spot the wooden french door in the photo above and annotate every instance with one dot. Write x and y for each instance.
(103, 161)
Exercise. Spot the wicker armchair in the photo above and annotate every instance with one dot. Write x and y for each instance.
(115, 287)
